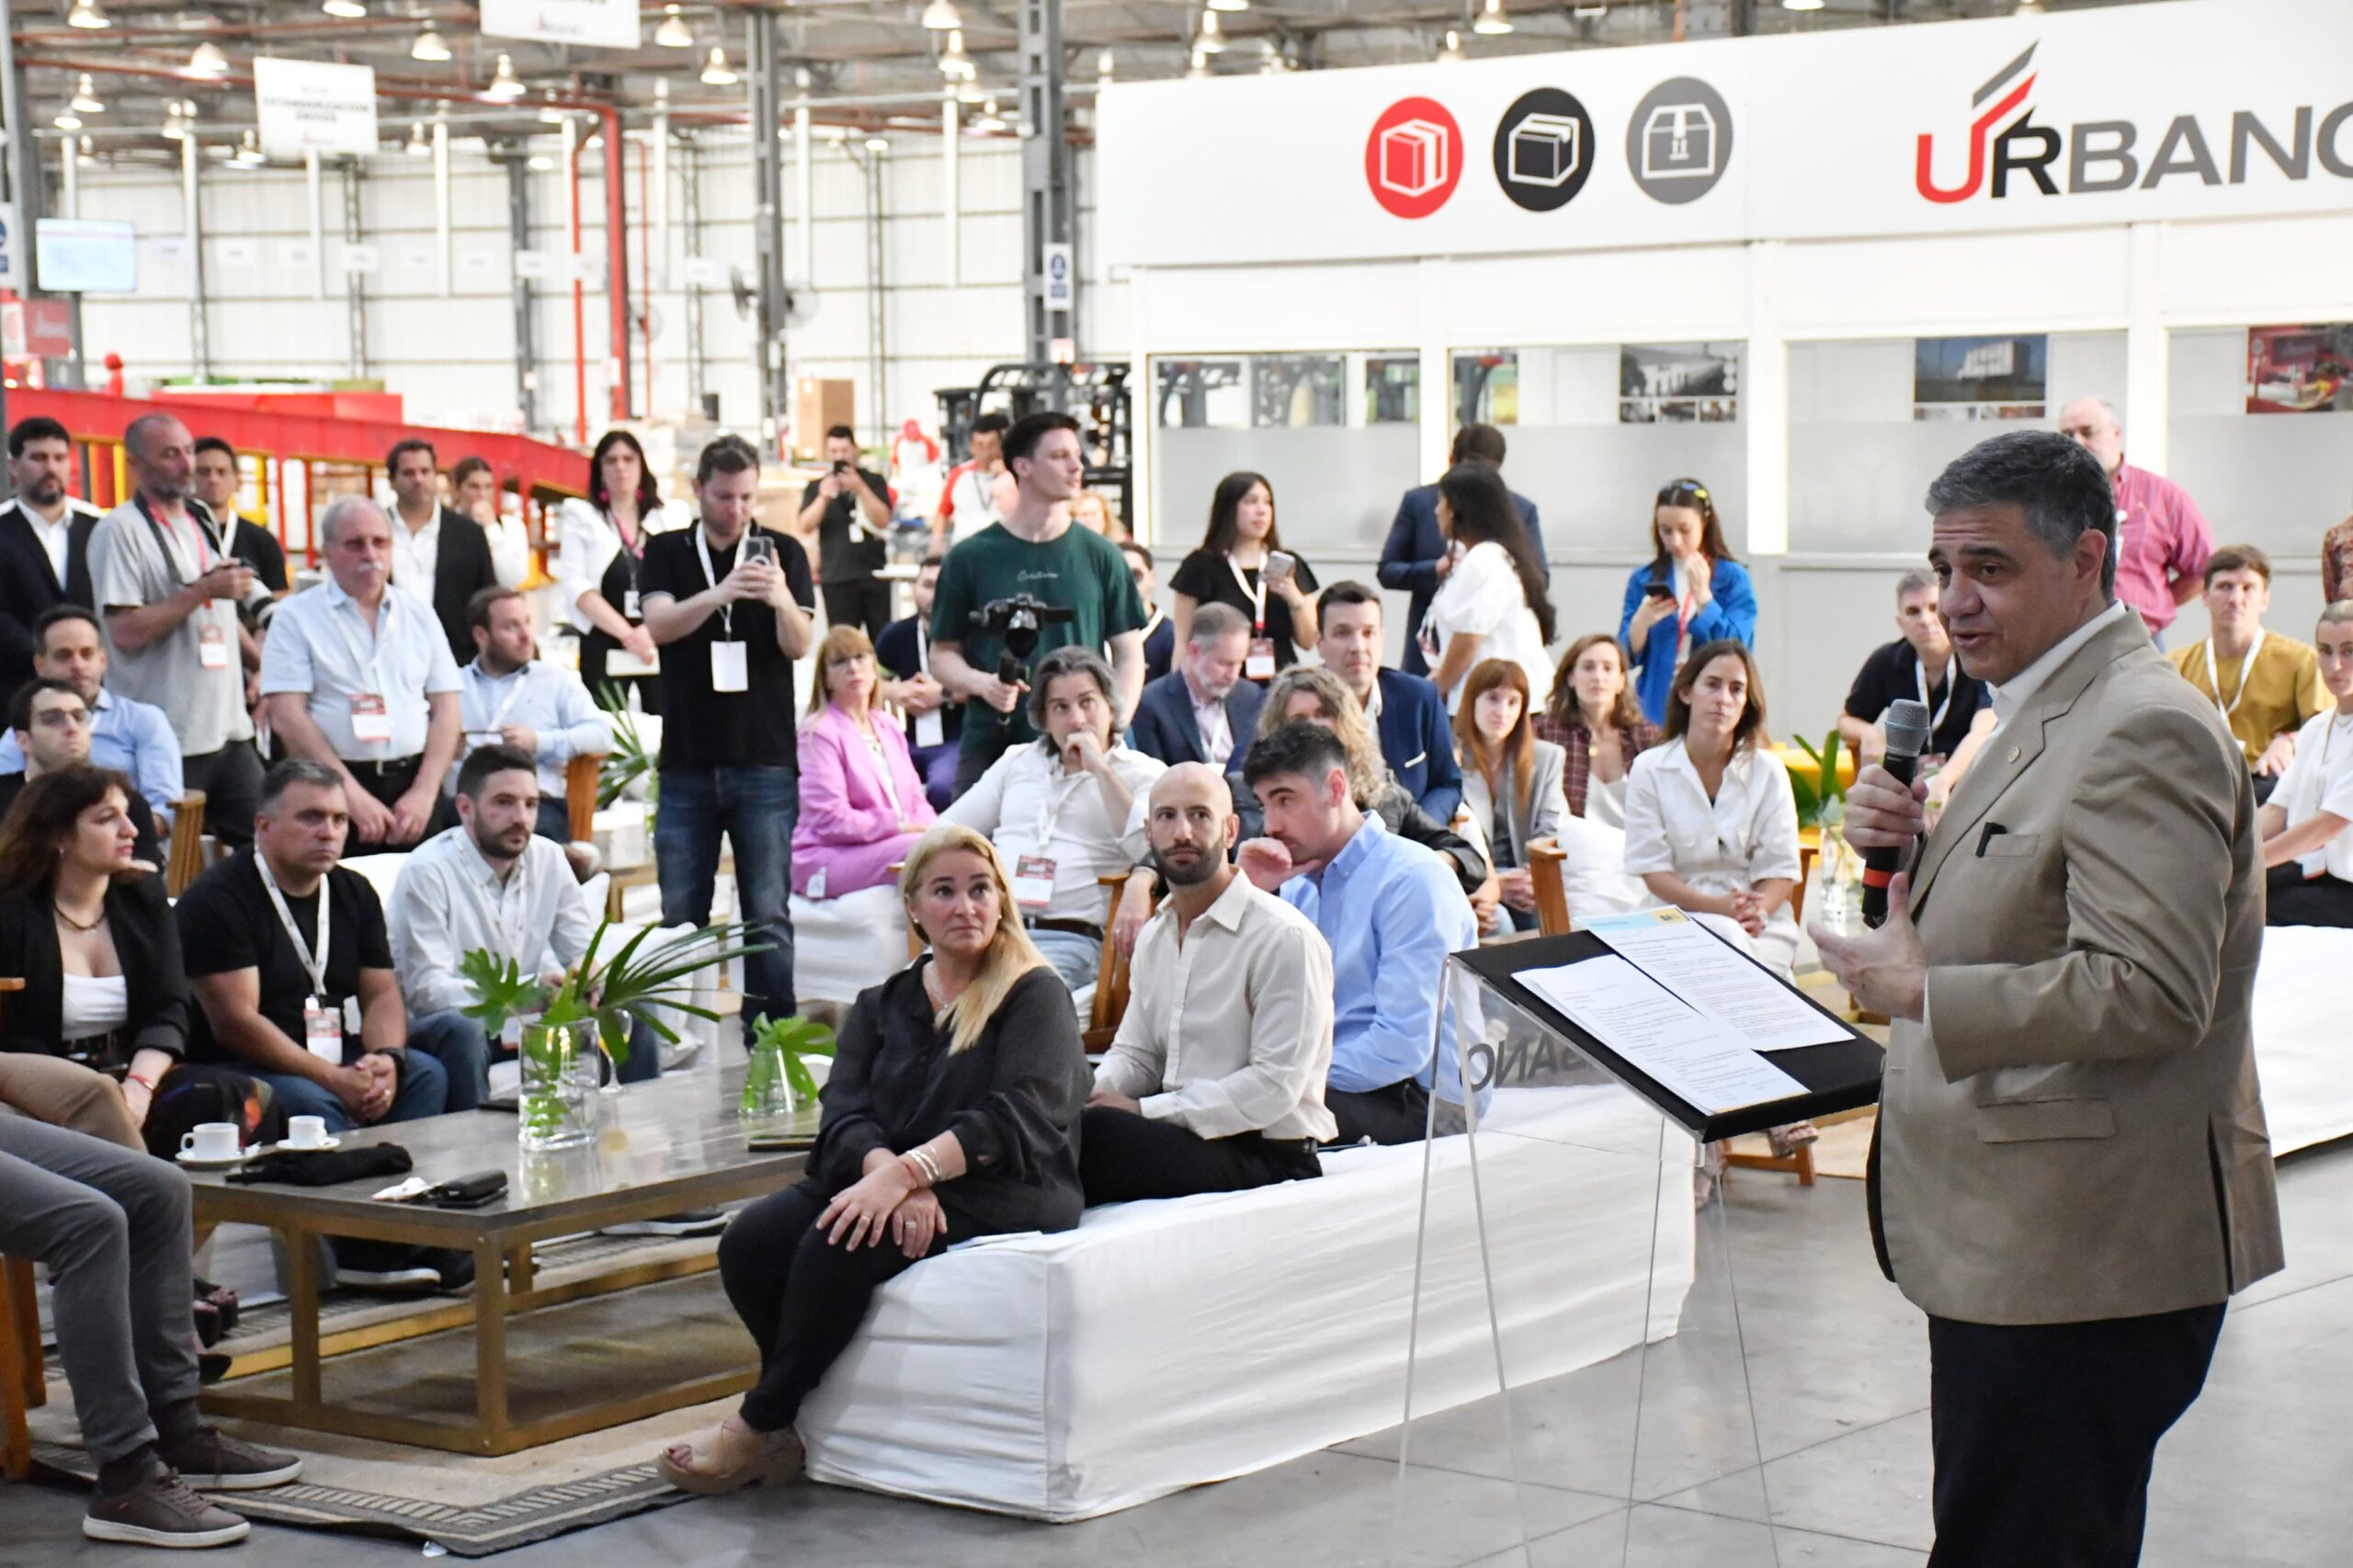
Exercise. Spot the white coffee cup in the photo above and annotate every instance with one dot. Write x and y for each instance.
(210, 1141)
(305, 1131)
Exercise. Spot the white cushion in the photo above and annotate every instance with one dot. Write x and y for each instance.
(1594, 872)
(841, 946)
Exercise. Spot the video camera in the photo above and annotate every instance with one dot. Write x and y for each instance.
(1017, 621)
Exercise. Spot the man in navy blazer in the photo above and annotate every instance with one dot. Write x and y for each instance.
(1407, 712)
(1416, 554)
(1202, 710)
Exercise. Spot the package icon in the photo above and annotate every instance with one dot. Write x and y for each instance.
(1679, 143)
(1546, 150)
(1414, 156)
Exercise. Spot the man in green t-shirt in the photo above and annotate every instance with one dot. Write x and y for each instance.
(1034, 551)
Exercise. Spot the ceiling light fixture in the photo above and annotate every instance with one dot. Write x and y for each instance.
(350, 9)
(1103, 69)
(249, 152)
(1802, 5)
(68, 120)
(990, 119)
(878, 144)
(85, 14)
(504, 86)
(954, 63)
(539, 164)
(86, 97)
(1452, 54)
(715, 72)
(1229, 4)
(429, 46)
(674, 32)
(418, 147)
(1198, 71)
(968, 91)
(1492, 22)
(941, 16)
(88, 158)
(175, 124)
(206, 62)
(1211, 38)
(2030, 8)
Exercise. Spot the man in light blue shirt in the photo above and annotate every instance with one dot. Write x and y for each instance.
(1391, 911)
(510, 698)
(132, 738)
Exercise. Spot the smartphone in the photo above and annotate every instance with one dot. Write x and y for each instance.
(1280, 565)
(840, 467)
(759, 547)
(1658, 591)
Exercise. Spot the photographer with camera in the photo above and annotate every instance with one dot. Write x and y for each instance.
(1027, 586)
(849, 514)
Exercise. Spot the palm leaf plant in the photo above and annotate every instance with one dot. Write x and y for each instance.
(629, 761)
(1815, 794)
(786, 1042)
(652, 971)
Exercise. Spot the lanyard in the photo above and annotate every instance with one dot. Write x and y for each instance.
(1150, 626)
(168, 540)
(369, 664)
(316, 967)
(1920, 676)
(922, 648)
(1059, 788)
(2246, 674)
(727, 611)
(514, 691)
(1256, 595)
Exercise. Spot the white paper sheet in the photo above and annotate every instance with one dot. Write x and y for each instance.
(1681, 955)
(1687, 1053)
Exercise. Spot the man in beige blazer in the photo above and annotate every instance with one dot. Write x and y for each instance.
(2071, 1175)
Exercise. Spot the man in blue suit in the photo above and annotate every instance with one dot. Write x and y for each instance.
(1416, 555)
(1202, 710)
(1407, 712)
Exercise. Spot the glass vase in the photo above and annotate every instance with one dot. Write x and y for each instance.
(767, 1091)
(561, 1065)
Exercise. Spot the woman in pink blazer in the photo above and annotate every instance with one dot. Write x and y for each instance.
(861, 800)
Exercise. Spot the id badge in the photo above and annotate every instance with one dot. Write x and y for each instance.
(1260, 664)
(1033, 882)
(931, 729)
(322, 1031)
(629, 605)
(728, 670)
(212, 647)
(370, 722)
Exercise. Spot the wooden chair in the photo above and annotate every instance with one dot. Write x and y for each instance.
(1800, 1165)
(22, 1387)
(1547, 869)
(183, 860)
(1110, 979)
(580, 778)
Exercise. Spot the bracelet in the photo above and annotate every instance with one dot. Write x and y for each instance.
(145, 1083)
(927, 1172)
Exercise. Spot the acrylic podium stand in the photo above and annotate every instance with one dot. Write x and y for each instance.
(1578, 1391)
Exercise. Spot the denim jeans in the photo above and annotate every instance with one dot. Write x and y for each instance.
(1078, 959)
(756, 809)
(423, 1090)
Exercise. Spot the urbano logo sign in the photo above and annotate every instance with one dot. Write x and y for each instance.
(1543, 150)
(2100, 154)
(1413, 160)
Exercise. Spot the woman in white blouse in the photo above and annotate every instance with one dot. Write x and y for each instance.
(1712, 825)
(1490, 603)
(601, 540)
(2308, 825)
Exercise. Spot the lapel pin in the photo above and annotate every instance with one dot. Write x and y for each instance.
(2014, 754)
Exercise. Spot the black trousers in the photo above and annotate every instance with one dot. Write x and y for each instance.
(2044, 1434)
(800, 1296)
(1123, 1156)
(1398, 1114)
(2294, 900)
(230, 779)
(862, 602)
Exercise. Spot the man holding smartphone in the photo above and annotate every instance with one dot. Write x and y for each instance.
(847, 512)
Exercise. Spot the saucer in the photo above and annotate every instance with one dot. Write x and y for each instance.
(190, 1158)
(319, 1148)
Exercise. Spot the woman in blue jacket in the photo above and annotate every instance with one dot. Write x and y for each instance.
(1692, 592)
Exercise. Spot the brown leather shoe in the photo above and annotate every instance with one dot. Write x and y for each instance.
(213, 1461)
(163, 1512)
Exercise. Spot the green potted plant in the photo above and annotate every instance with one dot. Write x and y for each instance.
(629, 761)
(1822, 798)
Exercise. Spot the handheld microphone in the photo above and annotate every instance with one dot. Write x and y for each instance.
(1907, 737)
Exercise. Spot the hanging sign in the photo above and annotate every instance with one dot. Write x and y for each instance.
(312, 105)
(607, 24)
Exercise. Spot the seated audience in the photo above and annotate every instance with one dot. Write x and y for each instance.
(1278, 610)
(1919, 666)
(1693, 581)
(2264, 687)
(90, 933)
(1214, 1081)
(1598, 726)
(1159, 632)
(132, 738)
(1712, 824)
(1406, 711)
(2308, 822)
(1511, 784)
(51, 728)
(110, 1227)
(508, 697)
(294, 982)
(862, 804)
(1064, 811)
(935, 719)
(1389, 909)
(1416, 556)
(1204, 710)
(952, 1112)
(1493, 604)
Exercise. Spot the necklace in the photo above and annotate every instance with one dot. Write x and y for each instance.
(59, 910)
(931, 987)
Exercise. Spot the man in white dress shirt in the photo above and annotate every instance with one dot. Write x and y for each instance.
(1215, 1080)
(358, 674)
(510, 698)
(44, 541)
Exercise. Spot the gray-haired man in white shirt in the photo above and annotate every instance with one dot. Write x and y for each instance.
(1215, 1080)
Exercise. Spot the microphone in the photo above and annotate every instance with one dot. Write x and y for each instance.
(1907, 737)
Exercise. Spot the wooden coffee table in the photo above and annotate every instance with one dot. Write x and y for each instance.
(669, 1146)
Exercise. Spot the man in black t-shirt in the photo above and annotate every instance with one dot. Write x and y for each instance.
(848, 512)
(1919, 664)
(730, 606)
(935, 719)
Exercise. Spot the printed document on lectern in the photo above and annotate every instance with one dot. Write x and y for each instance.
(1689, 1052)
(1715, 979)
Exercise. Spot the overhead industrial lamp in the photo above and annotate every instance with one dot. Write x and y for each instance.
(1492, 22)
(1229, 4)
(504, 86)
(954, 63)
(968, 91)
(1211, 38)
(68, 120)
(429, 46)
(418, 147)
(249, 152)
(206, 62)
(175, 120)
(674, 32)
(1103, 69)
(1198, 71)
(85, 98)
(1452, 52)
(941, 16)
(715, 72)
(990, 119)
(352, 9)
(85, 14)
(1802, 5)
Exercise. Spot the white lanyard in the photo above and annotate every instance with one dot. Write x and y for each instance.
(514, 691)
(1256, 596)
(923, 649)
(370, 664)
(1058, 793)
(2246, 674)
(703, 553)
(316, 967)
(1154, 624)
(1952, 683)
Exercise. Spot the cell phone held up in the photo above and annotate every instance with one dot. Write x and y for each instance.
(1280, 565)
(1658, 591)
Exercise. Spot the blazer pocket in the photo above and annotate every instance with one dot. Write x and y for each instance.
(2027, 1121)
(2012, 845)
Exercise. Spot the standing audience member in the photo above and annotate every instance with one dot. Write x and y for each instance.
(1066, 810)
(934, 720)
(473, 487)
(1692, 592)
(1511, 783)
(1242, 563)
(216, 477)
(2307, 824)
(294, 984)
(952, 1112)
(2161, 542)
(2336, 563)
(1712, 822)
(1407, 712)
(602, 540)
(732, 606)
(1595, 720)
(967, 501)
(862, 804)
(1918, 665)
(358, 676)
(1203, 710)
(132, 738)
(170, 600)
(1493, 604)
(51, 726)
(439, 553)
(1214, 1081)
(1159, 633)
(508, 696)
(1034, 551)
(1391, 914)
(847, 512)
(1417, 555)
(44, 541)
(2264, 686)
